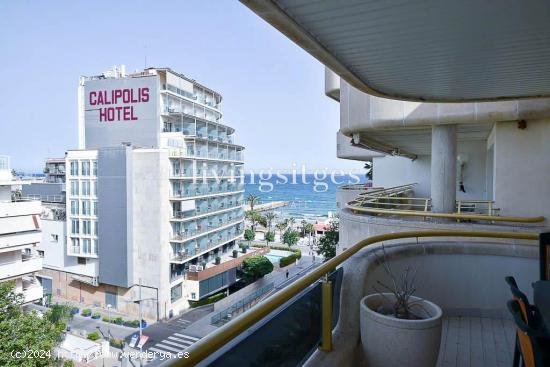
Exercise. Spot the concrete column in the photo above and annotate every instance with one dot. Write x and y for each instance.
(443, 174)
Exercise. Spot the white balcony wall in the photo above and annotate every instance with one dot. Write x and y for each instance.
(19, 208)
(13, 241)
(12, 265)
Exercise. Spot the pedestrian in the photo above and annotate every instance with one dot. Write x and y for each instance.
(313, 257)
(287, 273)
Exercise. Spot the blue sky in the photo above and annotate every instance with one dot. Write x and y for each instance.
(273, 90)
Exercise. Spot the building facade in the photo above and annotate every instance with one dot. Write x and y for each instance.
(20, 233)
(55, 170)
(154, 195)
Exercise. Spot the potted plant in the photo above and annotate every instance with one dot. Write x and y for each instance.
(235, 253)
(96, 315)
(86, 312)
(74, 310)
(218, 260)
(397, 328)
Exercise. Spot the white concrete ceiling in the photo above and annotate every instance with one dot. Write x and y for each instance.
(431, 50)
(418, 141)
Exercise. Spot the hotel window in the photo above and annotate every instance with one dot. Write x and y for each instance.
(85, 168)
(74, 207)
(94, 206)
(75, 242)
(74, 187)
(96, 226)
(74, 168)
(54, 238)
(94, 248)
(94, 168)
(85, 207)
(94, 188)
(86, 227)
(75, 228)
(85, 188)
(87, 246)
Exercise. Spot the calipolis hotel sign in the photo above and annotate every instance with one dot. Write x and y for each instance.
(121, 110)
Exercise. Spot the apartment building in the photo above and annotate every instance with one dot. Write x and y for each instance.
(451, 105)
(20, 233)
(154, 196)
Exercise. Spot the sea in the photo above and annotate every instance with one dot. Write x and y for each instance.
(310, 196)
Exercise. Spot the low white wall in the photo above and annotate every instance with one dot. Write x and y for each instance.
(463, 278)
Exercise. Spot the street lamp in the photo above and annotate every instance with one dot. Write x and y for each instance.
(109, 318)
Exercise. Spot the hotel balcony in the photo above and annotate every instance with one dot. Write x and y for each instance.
(228, 155)
(189, 252)
(189, 193)
(196, 231)
(182, 216)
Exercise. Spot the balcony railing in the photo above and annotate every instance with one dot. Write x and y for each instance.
(210, 209)
(228, 332)
(187, 253)
(190, 192)
(188, 233)
(181, 153)
(396, 201)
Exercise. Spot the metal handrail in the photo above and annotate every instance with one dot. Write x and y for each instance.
(391, 201)
(458, 216)
(218, 338)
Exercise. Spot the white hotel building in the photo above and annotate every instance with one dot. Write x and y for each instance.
(154, 194)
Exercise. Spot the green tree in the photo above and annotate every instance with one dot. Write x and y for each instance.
(256, 267)
(60, 315)
(290, 237)
(269, 237)
(249, 235)
(328, 242)
(20, 331)
(270, 217)
(260, 219)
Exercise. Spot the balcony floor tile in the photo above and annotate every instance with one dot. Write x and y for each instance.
(476, 341)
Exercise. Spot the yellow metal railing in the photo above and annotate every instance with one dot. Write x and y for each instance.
(217, 339)
(395, 201)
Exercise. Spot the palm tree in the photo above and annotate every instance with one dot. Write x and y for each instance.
(310, 228)
(252, 200)
(270, 217)
(252, 216)
(291, 221)
(281, 227)
(303, 229)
